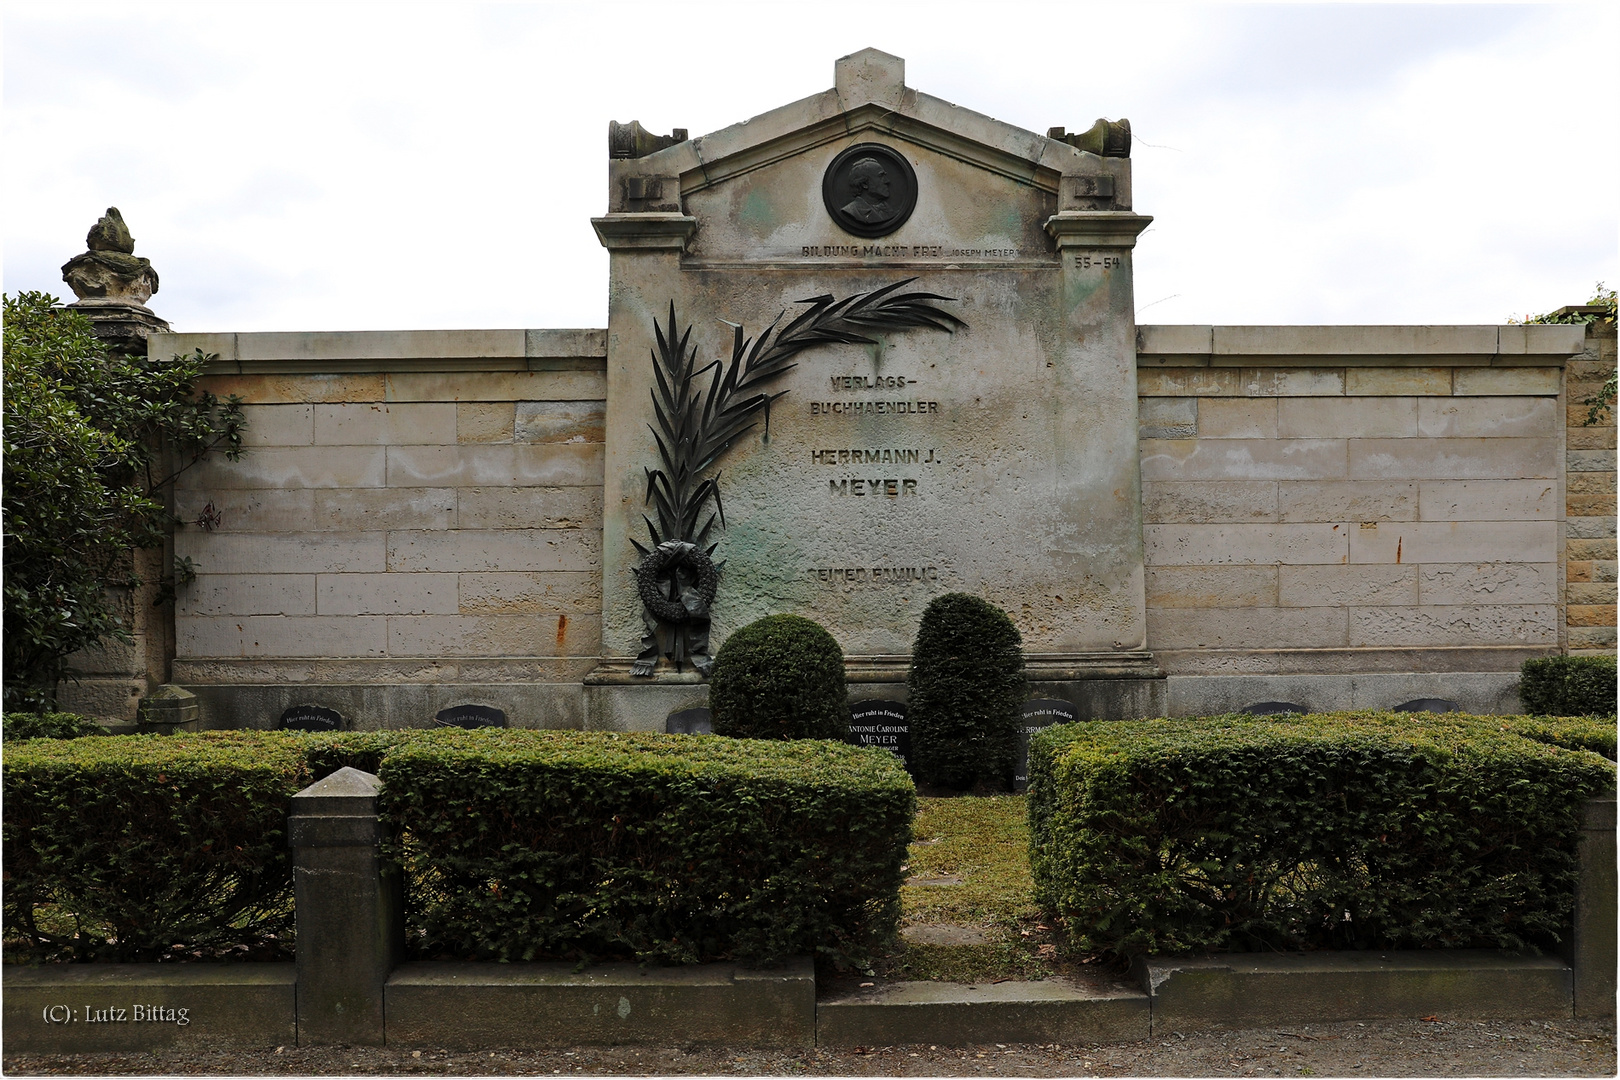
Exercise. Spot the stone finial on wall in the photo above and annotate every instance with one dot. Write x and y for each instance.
(112, 284)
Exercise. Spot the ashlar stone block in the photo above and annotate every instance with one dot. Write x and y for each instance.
(1239, 418)
(1198, 545)
(517, 465)
(1358, 417)
(283, 553)
(1488, 500)
(387, 594)
(1346, 500)
(494, 550)
(1473, 624)
(1454, 541)
(1452, 459)
(1211, 586)
(380, 423)
(1210, 501)
(1450, 584)
(1397, 381)
(1493, 417)
(529, 507)
(1338, 586)
(279, 425)
(1242, 459)
(247, 594)
(1477, 382)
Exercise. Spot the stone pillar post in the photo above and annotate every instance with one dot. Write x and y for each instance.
(1594, 944)
(350, 911)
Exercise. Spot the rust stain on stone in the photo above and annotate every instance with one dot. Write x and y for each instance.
(562, 630)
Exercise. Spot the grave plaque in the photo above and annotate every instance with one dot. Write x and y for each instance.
(697, 721)
(1429, 704)
(470, 716)
(310, 718)
(1038, 713)
(879, 722)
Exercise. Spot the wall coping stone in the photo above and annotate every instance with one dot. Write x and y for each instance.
(1226, 346)
(332, 352)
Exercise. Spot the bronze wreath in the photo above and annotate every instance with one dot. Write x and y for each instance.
(665, 560)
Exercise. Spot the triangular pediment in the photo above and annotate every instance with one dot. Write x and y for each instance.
(870, 96)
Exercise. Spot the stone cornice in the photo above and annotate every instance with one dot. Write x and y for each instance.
(1096, 228)
(644, 232)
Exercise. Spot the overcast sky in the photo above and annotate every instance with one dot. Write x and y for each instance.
(392, 166)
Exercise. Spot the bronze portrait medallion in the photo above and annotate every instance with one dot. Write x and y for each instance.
(869, 189)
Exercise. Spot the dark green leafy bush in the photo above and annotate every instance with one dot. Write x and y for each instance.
(120, 847)
(1341, 831)
(56, 725)
(966, 691)
(780, 677)
(680, 848)
(1568, 686)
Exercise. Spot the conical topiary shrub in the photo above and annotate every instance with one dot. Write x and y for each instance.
(966, 690)
(781, 677)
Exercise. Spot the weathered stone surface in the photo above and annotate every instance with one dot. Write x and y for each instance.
(1198, 993)
(1243, 459)
(485, 421)
(1189, 382)
(110, 234)
(493, 550)
(1453, 459)
(1488, 500)
(1602, 615)
(385, 424)
(468, 1005)
(1591, 461)
(272, 635)
(494, 635)
(284, 553)
(1356, 417)
(953, 1014)
(1454, 541)
(1292, 382)
(292, 467)
(568, 592)
(1248, 628)
(225, 1007)
(279, 425)
(1589, 528)
(1167, 418)
(1238, 418)
(1337, 586)
(517, 465)
(248, 594)
(1211, 586)
(1600, 592)
(1191, 545)
(283, 389)
(1208, 502)
(564, 385)
(1471, 382)
(349, 509)
(1346, 501)
(386, 594)
(1591, 549)
(1495, 417)
(560, 421)
(1398, 381)
(1488, 583)
(1474, 624)
(529, 508)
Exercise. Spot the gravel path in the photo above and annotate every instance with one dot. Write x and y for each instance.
(1398, 1048)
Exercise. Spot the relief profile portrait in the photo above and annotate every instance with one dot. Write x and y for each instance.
(869, 190)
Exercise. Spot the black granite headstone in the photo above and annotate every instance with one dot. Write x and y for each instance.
(1429, 704)
(1038, 713)
(697, 721)
(879, 722)
(311, 718)
(470, 716)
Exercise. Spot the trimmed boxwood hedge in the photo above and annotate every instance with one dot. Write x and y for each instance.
(780, 677)
(1568, 686)
(664, 847)
(120, 847)
(515, 843)
(966, 691)
(57, 725)
(1360, 830)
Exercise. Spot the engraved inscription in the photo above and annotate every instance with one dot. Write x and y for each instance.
(875, 456)
(870, 382)
(874, 575)
(891, 488)
(874, 408)
(1098, 262)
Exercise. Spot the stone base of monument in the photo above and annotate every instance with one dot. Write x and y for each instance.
(471, 1005)
(1249, 990)
(85, 1008)
(955, 1014)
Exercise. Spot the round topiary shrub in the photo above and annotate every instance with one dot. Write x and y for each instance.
(781, 677)
(966, 689)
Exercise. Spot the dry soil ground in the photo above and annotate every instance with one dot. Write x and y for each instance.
(1398, 1048)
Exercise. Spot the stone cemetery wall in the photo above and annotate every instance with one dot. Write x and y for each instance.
(416, 525)
(1351, 501)
(1589, 502)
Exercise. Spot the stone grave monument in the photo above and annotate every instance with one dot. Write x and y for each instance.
(864, 350)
